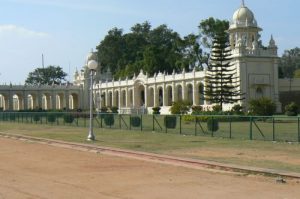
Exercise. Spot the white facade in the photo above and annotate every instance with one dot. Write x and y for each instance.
(256, 66)
(141, 93)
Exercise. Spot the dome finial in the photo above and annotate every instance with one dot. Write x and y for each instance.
(243, 3)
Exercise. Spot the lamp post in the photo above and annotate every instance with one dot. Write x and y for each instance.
(92, 65)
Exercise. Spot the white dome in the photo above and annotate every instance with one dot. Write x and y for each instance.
(243, 15)
(91, 56)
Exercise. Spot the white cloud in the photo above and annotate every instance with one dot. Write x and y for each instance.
(79, 5)
(20, 31)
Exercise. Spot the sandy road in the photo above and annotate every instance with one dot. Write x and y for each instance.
(31, 170)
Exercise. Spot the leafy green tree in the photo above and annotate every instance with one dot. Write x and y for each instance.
(46, 76)
(210, 28)
(289, 62)
(222, 85)
(111, 50)
(193, 54)
(297, 73)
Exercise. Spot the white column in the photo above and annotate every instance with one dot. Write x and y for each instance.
(195, 92)
(184, 91)
(174, 96)
(133, 97)
(155, 93)
(106, 98)
(146, 96)
(119, 97)
(126, 98)
(113, 100)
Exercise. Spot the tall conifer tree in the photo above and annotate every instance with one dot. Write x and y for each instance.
(222, 83)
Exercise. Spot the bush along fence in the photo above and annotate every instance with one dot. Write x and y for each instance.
(279, 128)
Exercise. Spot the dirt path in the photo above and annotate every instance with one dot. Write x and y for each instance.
(31, 170)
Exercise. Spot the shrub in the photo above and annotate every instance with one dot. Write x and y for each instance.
(170, 121)
(156, 110)
(1, 109)
(237, 109)
(51, 118)
(68, 118)
(135, 121)
(217, 108)
(180, 107)
(114, 109)
(104, 109)
(262, 107)
(212, 124)
(109, 119)
(196, 110)
(291, 109)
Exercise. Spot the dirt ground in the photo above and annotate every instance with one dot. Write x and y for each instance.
(31, 170)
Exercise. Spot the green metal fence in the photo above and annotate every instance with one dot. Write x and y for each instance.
(279, 128)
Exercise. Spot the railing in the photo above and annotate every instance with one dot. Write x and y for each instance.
(279, 128)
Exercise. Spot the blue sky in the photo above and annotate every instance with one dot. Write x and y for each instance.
(65, 30)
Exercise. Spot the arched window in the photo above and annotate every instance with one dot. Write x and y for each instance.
(259, 93)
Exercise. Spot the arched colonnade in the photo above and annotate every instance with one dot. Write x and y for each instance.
(147, 92)
(15, 98)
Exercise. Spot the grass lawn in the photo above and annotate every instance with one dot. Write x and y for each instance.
(265, 154)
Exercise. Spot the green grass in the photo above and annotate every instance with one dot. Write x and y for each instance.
(271, 155)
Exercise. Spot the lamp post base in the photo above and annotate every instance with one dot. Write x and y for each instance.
(91, 137)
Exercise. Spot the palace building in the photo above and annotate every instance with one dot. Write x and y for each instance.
(256, 68)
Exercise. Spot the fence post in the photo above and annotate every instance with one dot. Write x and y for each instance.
(129, 122)
(273, 129)
(120, 126)
(251, 120)
(298, 129)
(230, 129)
(195, 126)
(165, 122)
(212, 129)
(153, 128)
(141, 122)
(101, 118)
(180, 132)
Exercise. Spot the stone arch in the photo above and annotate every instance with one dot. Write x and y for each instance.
(190, 92)
(18, 101)
(3, 102)
(130, 95)
(60, 101)
(73, 101)
(259, 92)
(31, 101)
(140, 95)
(169, 95)
(109, 99)
(201, 93)
(160, 96)
(151, 98)
(179, 92)
(123, 98)
(116, 99)
(46, 101)
(103, 99)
